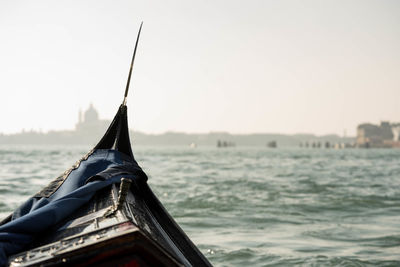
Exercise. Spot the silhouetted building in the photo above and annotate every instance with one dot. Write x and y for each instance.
(378, 136)
(89, 123)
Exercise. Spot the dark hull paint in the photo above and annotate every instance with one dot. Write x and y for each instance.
(141, 233)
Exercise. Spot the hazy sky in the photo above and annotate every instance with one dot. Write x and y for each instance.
(211, 65)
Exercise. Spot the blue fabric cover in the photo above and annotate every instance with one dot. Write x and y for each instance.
(102, 168)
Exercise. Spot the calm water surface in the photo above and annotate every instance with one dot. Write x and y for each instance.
(254, 206)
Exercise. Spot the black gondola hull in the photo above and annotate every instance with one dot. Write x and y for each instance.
(83, 217)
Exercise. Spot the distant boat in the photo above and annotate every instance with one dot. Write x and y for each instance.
(100, 212)
(272, 144)
(193, 145)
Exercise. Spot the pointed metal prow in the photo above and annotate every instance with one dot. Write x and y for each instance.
(130, 70)
(117, 134)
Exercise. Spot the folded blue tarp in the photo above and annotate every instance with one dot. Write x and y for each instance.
(99, 169)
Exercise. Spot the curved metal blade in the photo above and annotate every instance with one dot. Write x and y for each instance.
(130, 70)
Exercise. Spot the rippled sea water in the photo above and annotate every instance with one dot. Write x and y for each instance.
(254, 206)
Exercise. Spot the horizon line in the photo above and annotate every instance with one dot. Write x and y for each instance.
(35, 131)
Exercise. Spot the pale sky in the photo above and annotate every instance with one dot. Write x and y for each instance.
(239, 66)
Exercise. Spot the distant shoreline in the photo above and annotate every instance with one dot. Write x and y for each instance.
(172, 138)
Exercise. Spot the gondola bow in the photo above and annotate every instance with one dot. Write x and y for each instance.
(87, 216)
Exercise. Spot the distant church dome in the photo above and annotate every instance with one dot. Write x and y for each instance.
(91, 115)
